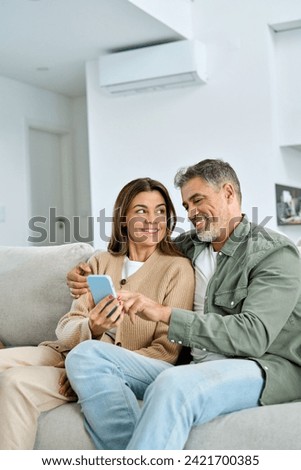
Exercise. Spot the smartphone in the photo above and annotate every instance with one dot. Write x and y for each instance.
(100, 285)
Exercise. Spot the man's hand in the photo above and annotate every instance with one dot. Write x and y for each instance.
(65, 387)
(107, 314)
(137, 304)
(77, 280)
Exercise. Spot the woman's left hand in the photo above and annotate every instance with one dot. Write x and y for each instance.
(65, 388)
(138, 304)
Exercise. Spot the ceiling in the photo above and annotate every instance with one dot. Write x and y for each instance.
(46, 43)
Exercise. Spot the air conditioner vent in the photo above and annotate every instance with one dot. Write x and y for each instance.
(175, 64)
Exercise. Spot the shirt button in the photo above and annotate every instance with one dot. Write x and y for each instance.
(232, 303)
(220, 253)
(180, 342)
(266, 367)
(204, 349)
(172, 340)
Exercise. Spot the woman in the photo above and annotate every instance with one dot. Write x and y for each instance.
(140, 256)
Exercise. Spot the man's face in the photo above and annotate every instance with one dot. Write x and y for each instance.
(207, 208)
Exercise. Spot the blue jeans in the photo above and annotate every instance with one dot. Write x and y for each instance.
(108, 380)
(193, 394)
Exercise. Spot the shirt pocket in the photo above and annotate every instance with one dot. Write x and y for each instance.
(231, 301)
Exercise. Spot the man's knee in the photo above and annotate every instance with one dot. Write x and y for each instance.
(166, 380)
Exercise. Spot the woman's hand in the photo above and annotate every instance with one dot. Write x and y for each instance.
(77, 280)
(65, 387)
(107, 314)
(137, 304)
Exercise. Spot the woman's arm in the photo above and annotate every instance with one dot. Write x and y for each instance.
(88, 321)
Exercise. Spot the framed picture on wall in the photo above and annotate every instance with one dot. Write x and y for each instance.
(288, 203)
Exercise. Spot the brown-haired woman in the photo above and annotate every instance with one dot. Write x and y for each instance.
(140, 258)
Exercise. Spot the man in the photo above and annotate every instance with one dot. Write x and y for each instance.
(245, 328)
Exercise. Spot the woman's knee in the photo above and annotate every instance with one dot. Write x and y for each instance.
(76, 358)
(89, 355)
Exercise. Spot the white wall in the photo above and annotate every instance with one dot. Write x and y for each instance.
(21, 105)
(288, 86)
(241, 115)
(81, 166)
(175, 13)
(233, 117)
(288, 54)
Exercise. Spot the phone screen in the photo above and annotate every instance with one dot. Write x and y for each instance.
(100, 286)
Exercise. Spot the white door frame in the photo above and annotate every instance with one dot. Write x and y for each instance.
(67, 167)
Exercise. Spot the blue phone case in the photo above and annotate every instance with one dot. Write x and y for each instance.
(100, 285)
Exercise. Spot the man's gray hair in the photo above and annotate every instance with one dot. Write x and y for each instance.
(215, 172)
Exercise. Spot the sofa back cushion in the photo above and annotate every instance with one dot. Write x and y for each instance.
(34, 294)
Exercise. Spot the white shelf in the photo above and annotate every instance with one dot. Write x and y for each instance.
(294, 146)
(283, 26)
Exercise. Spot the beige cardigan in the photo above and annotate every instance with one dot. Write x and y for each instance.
(169, 280)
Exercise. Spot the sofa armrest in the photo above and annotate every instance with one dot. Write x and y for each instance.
(34, 293)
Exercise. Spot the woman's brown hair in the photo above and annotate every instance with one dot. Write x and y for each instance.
(118, 243)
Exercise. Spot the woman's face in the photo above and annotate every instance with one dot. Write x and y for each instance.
(146, 219)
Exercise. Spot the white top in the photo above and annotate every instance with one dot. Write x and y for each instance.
(129, 268)
(205, 266)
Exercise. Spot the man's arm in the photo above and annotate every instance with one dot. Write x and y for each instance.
(77, 279)
(138, 304)
(272, 295)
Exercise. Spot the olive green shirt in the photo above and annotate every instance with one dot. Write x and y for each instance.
(252, 307)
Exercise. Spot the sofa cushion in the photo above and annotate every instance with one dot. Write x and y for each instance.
(63, 429)
(34, 294)
(271, 427)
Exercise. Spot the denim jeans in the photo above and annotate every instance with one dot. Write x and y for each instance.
(108, 381)
(185, 396)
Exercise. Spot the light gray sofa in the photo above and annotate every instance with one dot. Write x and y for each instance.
(34, 296)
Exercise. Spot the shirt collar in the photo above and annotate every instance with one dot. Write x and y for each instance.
(229, 248)
(239, 233)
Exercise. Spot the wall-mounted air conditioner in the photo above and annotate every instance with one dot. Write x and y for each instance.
(169, 65)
